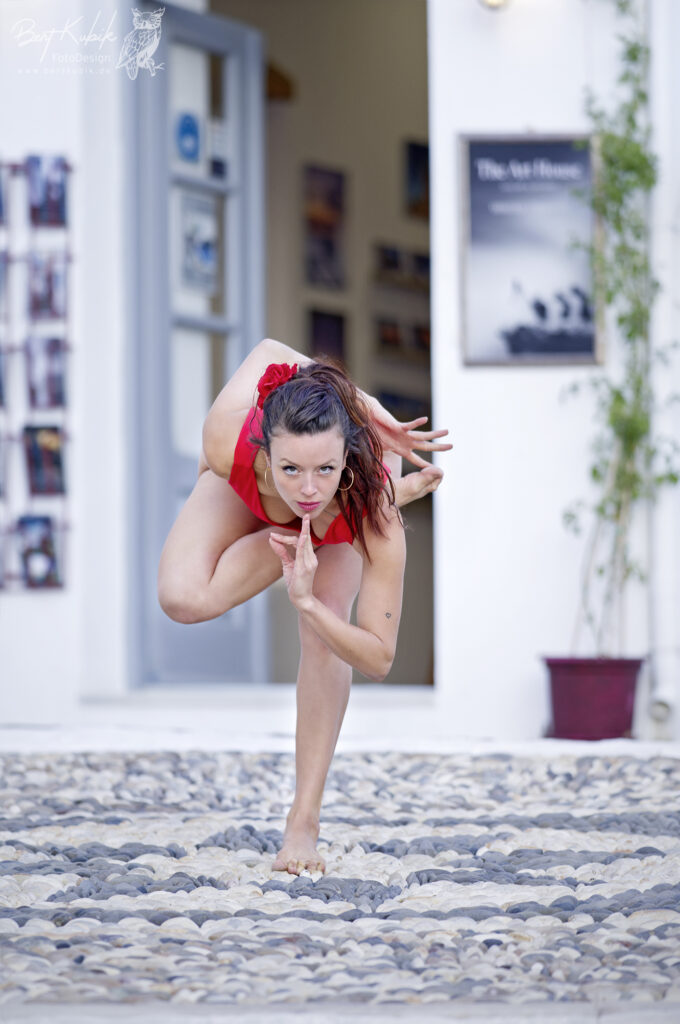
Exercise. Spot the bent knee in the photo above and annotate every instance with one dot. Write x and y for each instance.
(184, 604)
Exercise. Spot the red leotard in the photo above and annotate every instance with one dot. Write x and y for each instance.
(242, 479)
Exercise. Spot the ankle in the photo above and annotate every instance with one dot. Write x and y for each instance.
(305, 816)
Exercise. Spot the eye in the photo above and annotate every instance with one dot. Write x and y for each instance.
(327, 469)
(287, 468)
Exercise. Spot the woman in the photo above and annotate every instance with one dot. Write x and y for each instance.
(304, 483)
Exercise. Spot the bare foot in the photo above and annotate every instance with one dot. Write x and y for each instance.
(299, 847)
(416, 485)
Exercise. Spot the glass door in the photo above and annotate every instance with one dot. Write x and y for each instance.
(201, 300)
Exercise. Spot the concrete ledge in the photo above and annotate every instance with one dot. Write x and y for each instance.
(158, 1012)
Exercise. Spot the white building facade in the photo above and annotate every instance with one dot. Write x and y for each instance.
(506, 572)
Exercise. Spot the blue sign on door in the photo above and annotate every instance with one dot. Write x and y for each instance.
(188, 141)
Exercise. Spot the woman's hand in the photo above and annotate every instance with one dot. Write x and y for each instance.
(298, 571)
(403, 439)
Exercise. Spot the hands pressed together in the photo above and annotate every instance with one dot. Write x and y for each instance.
(298, 569)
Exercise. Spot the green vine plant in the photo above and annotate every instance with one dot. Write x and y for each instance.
(629, 465)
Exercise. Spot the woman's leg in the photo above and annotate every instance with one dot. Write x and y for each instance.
(216, 556)
(323, 687)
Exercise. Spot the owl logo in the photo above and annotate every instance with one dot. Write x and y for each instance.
(140, 45)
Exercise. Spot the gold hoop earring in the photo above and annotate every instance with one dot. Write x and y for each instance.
(265, 478)
(352, 484)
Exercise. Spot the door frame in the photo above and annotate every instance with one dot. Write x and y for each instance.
(150, 500)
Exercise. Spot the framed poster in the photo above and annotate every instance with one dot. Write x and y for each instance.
(47, 285)
(326, 333)
(43, 448)
(45, 372)
(417, 184)
(324, 218)
(526, 218)
(37, 551)
(200, 236)
(47, 190)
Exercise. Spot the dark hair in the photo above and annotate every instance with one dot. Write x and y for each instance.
(321, 396)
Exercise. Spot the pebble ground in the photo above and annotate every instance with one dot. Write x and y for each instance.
(451, 879)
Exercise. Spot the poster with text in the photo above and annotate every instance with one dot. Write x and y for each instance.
(527, 222)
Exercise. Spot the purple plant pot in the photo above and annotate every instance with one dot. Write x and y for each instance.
(592, 698)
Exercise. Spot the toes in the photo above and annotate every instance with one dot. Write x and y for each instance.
(295, 867)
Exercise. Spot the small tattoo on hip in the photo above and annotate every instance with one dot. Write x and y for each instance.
(388, 615)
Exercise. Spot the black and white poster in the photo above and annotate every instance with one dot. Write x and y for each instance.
(37, 551)
(527, 285)
(45, 372)
(47, 285)
(47, 190)
(200, 240)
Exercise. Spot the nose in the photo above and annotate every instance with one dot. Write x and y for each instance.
(308, 487)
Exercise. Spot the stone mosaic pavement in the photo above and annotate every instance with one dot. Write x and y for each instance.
(451, 879)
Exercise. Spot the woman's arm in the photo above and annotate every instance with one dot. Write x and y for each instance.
(369, 646)
(240, 391)
(229, 410)
(239, 394)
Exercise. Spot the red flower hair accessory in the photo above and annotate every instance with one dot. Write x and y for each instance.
(272, 378)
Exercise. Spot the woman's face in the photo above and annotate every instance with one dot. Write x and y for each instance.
(306, 469)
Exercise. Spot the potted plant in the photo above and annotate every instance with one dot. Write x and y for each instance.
(593, 697)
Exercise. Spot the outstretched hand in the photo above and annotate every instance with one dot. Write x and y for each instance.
(298, 570)
(404, 439)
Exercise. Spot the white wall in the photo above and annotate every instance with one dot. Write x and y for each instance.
(507, 572)
(665, 546)
(40, 632)
(59, 645)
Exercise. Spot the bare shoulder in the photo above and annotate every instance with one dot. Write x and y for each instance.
(220, 436)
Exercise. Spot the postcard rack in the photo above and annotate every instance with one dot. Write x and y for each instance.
(35, 383)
